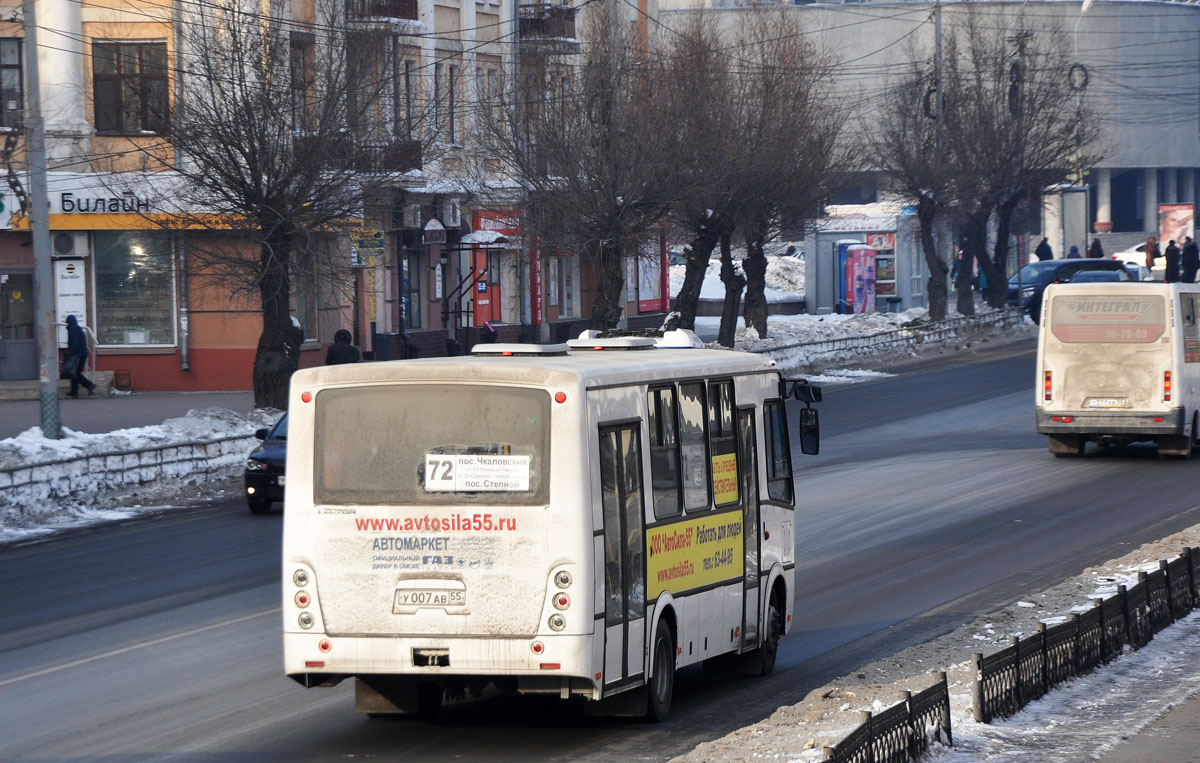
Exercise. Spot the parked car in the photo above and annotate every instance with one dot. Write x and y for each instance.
(265, 468)
(1028, 285)
(1098, 276)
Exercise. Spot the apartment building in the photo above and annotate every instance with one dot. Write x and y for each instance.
(439, 249)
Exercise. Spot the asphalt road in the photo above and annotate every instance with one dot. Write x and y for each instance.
(932, 500)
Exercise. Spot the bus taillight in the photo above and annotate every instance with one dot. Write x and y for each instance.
(1047, 386)
(562, 601)
(1167, 386)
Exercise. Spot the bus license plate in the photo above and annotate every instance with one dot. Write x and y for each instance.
(413, 598)
(1108, 402)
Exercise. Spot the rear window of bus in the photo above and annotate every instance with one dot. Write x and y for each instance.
(1109, 319)
(424, 444)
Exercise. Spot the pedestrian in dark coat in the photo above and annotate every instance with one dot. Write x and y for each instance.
(342, 350)
(1043, 251)
(1095, 251)
(76, 359)
(1171, 253)
(1073, 254)
(1190, 260)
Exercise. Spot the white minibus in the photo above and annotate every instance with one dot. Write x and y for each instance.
(578, 520)
(1119, 363)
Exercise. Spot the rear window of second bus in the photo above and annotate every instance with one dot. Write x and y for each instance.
(1109, 319)
(420, 444)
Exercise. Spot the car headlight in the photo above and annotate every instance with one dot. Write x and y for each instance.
(253, 465)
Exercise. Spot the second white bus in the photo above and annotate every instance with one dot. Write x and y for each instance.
(578, 522)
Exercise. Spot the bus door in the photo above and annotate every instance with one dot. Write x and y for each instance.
(748, 477)
(624, 544)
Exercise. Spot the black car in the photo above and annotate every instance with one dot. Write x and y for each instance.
(1034, 277)
(265, 467)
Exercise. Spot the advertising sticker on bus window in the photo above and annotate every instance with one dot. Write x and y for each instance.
(1116, 319)
(457, 473)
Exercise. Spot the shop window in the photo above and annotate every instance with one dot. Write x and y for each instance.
(129, 83)
(135, 288)
(304, 303)
(10, 83)
(779, 453)
(410, 290)
(664, 452)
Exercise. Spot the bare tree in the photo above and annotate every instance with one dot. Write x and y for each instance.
(272, 118)
(791, 128)
(1014, 124)
(598, 163)
(906, 146)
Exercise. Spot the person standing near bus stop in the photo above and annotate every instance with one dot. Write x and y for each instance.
(1171, 253)
(1190, 260)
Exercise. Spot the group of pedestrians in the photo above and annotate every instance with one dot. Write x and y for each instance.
(1181, 264)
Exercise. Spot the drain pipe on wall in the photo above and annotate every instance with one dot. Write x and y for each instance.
(183, 308)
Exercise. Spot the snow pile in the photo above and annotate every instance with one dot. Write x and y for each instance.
(1117, 699)
(49, 484)
(785, 279)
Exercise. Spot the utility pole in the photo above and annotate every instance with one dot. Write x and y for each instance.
(39, 226)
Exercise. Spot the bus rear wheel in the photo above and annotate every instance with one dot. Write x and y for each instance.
(662, 684)
(773, 631)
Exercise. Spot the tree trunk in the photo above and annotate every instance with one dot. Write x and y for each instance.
(609, 303)
(974, 250)
(734, 283)
(755, 267)
(278, 354)
(997, 292)
(698, 254)
(936, 287)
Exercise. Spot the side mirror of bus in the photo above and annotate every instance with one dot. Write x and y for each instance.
(810, 431)
(799, 389)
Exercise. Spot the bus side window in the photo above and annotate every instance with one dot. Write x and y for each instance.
(779, 453)
(664, 452)
(693, 448)
(722, 443)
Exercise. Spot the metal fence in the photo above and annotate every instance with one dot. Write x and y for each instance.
(967, 328)
(1009, 679)
(900, 733)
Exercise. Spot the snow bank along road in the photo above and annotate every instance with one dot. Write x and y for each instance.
(932, 500)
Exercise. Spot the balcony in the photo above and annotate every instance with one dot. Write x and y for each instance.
(376, 10)
(548, 27)
(367, 158)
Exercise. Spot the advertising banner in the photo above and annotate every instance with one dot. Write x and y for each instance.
(1174, 222)
(694, 553)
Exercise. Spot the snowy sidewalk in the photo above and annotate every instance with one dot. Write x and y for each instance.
(96, 415)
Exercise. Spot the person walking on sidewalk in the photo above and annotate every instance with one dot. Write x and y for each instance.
(1096, 251)
(1171, 253)
(1190, 260)
(76, 360)
(342, 350)
(1043, 251)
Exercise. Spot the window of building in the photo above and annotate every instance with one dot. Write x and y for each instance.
(302, 63)
(779, 453)
(403, 96)
(10, 83)
(135, 288)
(693, 449)
(130, 86)
(664, 452)
(452, 104)
(410, 290)
(438, 94)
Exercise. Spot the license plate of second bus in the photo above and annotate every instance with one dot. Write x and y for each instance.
(1108, 402)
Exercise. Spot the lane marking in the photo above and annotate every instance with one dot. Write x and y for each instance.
(133, 647)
